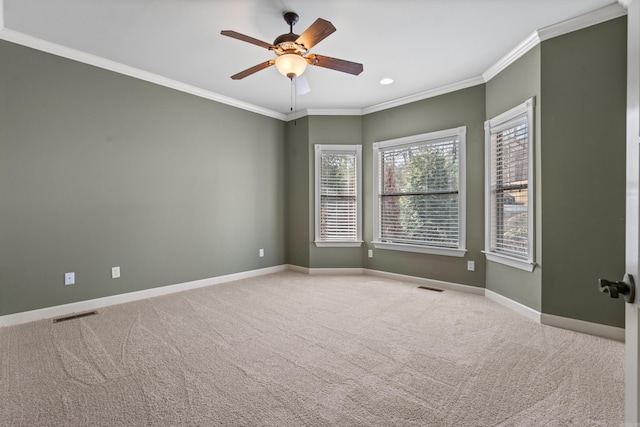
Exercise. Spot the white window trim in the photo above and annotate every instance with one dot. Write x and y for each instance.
(433, 250)
(357, 149)
(495, 124)
(461, 133)
(512, 262)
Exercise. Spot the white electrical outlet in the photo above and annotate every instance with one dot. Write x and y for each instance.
(69, 278)
(260, 252)
(471, 265)
(115, 272)
(370, 253)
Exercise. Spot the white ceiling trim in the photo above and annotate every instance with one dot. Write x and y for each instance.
(390, 104)
(615, 10)
(474, 81)
(514, 54)
(333, 112)
(324, 112)
(592, 18)
(598, 16)
(97, 61)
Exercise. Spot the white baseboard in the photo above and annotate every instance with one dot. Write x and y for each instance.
(521, 309)
(335, 271)
(575, 325)
(326, 271)
(94, 304)
(590, 328)
(297, 269)
(426, 282)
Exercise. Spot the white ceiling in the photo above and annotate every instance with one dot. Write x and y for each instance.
(422, 44)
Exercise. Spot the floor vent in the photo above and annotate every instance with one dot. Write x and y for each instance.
(75, 316)
(430, 289)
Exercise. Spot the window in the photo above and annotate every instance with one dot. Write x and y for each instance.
(509, 187)
(338, 191)
(419, 202)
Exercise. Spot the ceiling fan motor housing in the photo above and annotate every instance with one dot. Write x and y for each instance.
(286, 43)
(293, 50)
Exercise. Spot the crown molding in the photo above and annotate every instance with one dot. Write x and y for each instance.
(324, 112)
(612, 11)
(389, 104)
(452, 87)
(302, 113)
(597, 16)
(96, 61)
(334, 112)
(512, 56)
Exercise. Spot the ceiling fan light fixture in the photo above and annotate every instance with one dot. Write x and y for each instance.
(291, 65)
(292, 50)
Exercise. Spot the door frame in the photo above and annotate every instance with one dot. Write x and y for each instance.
(632, 233)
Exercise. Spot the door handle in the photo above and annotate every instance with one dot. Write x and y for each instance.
(626, 287)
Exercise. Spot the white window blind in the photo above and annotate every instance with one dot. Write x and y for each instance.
(509, 205)
(420, 201)
(338, 191)
(509, 230)
(338, 194)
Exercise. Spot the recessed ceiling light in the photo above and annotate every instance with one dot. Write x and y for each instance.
(386, 81)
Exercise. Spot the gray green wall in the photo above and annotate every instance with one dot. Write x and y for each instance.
(302, 135)
(298, 196)
(100, 170)
(343, 130)
(460, 108)
(514, 85)
(578, 81)
(583, 172)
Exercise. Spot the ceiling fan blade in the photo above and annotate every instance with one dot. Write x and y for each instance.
(317, 32)
(236, 35)
(336, 64)
(254, 69)
(302, 85)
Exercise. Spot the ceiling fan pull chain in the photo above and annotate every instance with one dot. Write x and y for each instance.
(294, 98)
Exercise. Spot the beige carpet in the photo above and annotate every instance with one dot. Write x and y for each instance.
(295, 350)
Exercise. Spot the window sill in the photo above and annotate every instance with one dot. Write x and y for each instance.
(420, 249)
(338, 244)
(510, 261)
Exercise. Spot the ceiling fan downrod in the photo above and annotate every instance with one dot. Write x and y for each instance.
(291, 18)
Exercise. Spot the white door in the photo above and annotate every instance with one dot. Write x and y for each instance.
(632, 262)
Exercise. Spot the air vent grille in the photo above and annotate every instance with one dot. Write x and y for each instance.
(74, 316)
(430, 289)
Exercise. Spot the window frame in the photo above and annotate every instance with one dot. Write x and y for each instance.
(507, 120)
(338, 148)
(425, 138)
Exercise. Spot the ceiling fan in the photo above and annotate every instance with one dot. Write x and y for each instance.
(293, 50)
